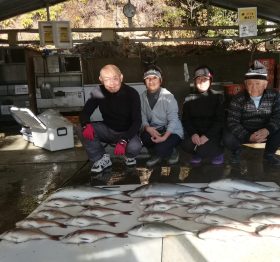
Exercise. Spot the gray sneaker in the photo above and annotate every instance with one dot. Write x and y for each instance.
(153, 161)
(101, 164)
(174, 158)
(129, 161)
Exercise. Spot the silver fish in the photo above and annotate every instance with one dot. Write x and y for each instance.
(248, 195)
(19, 235)
(82, 193)
(156, 230)
(159, 217)
(84, 221)
(155, 199)
(254, 205)
(223, 233)
(102, 211)
(265, 218)
(38, 223)
(269, 231)
(232, 185)
(219, 220)
(194, 199)
(162, 189)
(205, 208)
(88, 236)
(62, 202)
(51, 214)
(103, 201)
(161, 207)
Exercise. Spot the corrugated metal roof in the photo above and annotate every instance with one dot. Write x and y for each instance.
(11, 8)
(267, 9)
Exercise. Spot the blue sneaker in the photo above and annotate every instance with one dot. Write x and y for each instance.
(218, 160)
(195, 159)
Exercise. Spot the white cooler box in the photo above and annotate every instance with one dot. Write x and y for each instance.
(49, 130)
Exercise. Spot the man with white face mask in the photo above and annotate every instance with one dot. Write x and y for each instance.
(254, 116)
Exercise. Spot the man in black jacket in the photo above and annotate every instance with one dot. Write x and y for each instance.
(254, 116)
(120, 107)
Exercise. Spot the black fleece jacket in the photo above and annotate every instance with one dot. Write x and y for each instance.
(121, 111)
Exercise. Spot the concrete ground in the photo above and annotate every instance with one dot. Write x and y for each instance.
(28, 174)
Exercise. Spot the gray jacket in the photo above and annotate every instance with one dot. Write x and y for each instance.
(164, 113)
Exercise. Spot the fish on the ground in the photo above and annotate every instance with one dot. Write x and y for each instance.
(269, 231)
(19, 235)
(103, 201)
(82, 193)
(265, 218)
(223, 233)
(156, 229)
(232, 184)
(162, 189)
(159, 217)
(38, 223)
(205, 208)
(156, 199)
(103, 211)
(161, 206)
(219, 220)
(248, 195)
(88, 236)
(62, 202)
(254, 205)
(194, 199)
(84, 221)
(51, 214)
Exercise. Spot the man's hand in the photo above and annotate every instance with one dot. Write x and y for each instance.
(203, 139)
(259, 136)
(196, 139)
(120, 148)
(88, 132)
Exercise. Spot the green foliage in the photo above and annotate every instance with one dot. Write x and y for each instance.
(170, 17)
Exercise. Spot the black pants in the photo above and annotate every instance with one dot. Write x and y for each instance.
(211, 148)
(95, 149)
(163, 149)
(233, 143)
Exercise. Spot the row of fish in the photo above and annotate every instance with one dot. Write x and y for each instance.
(156, 199)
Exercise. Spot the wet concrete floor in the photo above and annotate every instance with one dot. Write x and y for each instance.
(28, 174)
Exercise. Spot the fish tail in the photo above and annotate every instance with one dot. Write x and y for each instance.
(113, 224)
(127, 212)
(122, 235)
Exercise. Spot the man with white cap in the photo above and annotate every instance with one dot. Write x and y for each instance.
(162, 130)
(254, 116)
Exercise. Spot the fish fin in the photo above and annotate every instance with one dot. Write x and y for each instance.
(204, 189)
(126, 192)
(122, 235)
(127, 201)
(127, 212)
(113, 224)
(219, 202)
(56, 238)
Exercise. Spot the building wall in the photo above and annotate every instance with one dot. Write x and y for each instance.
(227, 67)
